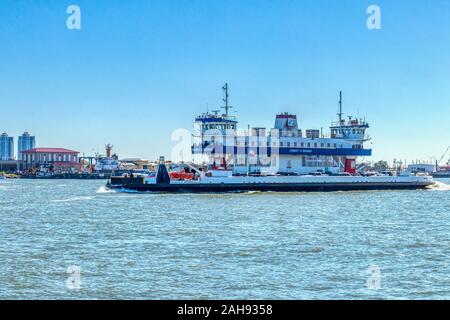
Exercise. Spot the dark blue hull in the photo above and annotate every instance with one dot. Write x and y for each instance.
(265, 187)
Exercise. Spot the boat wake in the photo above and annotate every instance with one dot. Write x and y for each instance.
(73, 199)
(440, 186)
(123, 190)
(4, 185)
(104, 189)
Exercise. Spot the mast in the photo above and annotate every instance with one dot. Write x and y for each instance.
(225, 99)
(247, 151)
(340, 108)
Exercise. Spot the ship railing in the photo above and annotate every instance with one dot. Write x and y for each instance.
(351, 123)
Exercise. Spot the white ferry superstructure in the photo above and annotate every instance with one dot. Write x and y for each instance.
(285, 149)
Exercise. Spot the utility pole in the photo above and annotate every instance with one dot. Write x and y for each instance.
(248, 150)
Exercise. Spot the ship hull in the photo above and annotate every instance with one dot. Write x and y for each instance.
(272, 187)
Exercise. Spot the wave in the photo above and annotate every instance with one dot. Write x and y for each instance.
(4, 185)
(73, 199)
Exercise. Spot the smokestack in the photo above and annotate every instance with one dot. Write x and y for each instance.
(108, 148)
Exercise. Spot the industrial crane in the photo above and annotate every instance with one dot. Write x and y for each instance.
(443, 156)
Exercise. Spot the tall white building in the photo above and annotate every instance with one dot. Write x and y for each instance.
(6, 147)
(25, 142)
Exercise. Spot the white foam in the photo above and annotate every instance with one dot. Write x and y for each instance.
(73, 199)
(104, 189)
(440, 186)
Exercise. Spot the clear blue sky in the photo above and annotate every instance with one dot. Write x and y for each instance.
(137, 70)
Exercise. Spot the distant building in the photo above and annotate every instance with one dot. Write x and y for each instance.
(422, 167)
(25, 142)
(59, 158)
(6, 147)
(135, 163)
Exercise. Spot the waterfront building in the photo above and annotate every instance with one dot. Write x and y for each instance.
(59, 159)
(25, 142)
(6, 147)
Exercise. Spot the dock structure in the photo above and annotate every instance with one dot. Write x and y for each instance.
(10, 165)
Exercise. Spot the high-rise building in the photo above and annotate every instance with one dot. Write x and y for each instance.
(25, 142)
(6, 147)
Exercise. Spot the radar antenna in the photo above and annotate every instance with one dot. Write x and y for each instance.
(340, 108)
(225, 99)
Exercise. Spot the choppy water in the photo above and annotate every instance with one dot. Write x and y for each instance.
(247, 246)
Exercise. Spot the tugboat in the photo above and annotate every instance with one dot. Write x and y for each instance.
(283, 160)
(109, 164)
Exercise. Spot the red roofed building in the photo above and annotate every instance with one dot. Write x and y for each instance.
(59, 158)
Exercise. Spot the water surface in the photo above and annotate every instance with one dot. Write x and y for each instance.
(221, 246)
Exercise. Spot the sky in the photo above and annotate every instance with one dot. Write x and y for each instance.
(137, 70)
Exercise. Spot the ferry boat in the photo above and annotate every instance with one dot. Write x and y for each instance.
(443, 172)
(284, 159)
